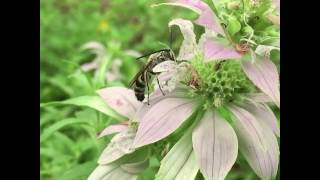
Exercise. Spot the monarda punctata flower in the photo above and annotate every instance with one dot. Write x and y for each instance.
(103, 58)
(111, 161)
(219, 110)
(218, 43)
(216, 103)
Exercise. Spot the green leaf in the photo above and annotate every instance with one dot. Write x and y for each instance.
(180, 162)
(234, 25)
(89, 115)
(81, 171)
(94, 102)
(58, 125)
(67, 142)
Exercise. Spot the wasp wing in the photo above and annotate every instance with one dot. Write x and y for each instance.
(137, 75)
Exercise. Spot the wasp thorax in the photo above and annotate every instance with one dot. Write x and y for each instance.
(219, 81)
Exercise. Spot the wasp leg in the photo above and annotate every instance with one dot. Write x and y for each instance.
(159, 85)
(147, 83)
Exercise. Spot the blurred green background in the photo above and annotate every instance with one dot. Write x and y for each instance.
(68, 145)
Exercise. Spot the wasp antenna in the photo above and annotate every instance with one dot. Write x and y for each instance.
(152, 53)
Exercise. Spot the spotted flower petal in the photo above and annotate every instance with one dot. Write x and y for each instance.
(161, 119)
(213, 49)
(115, 128)
(122, 100)
(215, 145)
(263, 73)
(156, 97)
(120, 145)
(207, 17)
(188, 47)
(257, 143)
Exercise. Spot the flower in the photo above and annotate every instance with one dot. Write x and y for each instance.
(113, 74)
(99, 50)
(123, 101)
(261, 71)
(216, 107)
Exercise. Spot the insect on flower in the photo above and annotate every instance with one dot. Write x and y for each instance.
(143, 77)
(242, 47)
(195, 80)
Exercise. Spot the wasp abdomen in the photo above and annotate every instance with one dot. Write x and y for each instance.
(140, 88)
(139, 92)
(140, 83)
(139, 96)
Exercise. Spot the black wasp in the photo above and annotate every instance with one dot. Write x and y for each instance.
(143, 77)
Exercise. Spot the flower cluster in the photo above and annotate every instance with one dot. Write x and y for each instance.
(216, 102)
(102, 57)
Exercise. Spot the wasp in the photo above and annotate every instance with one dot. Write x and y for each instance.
(144, 76)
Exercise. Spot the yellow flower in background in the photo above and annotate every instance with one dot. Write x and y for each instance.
(103, 26)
